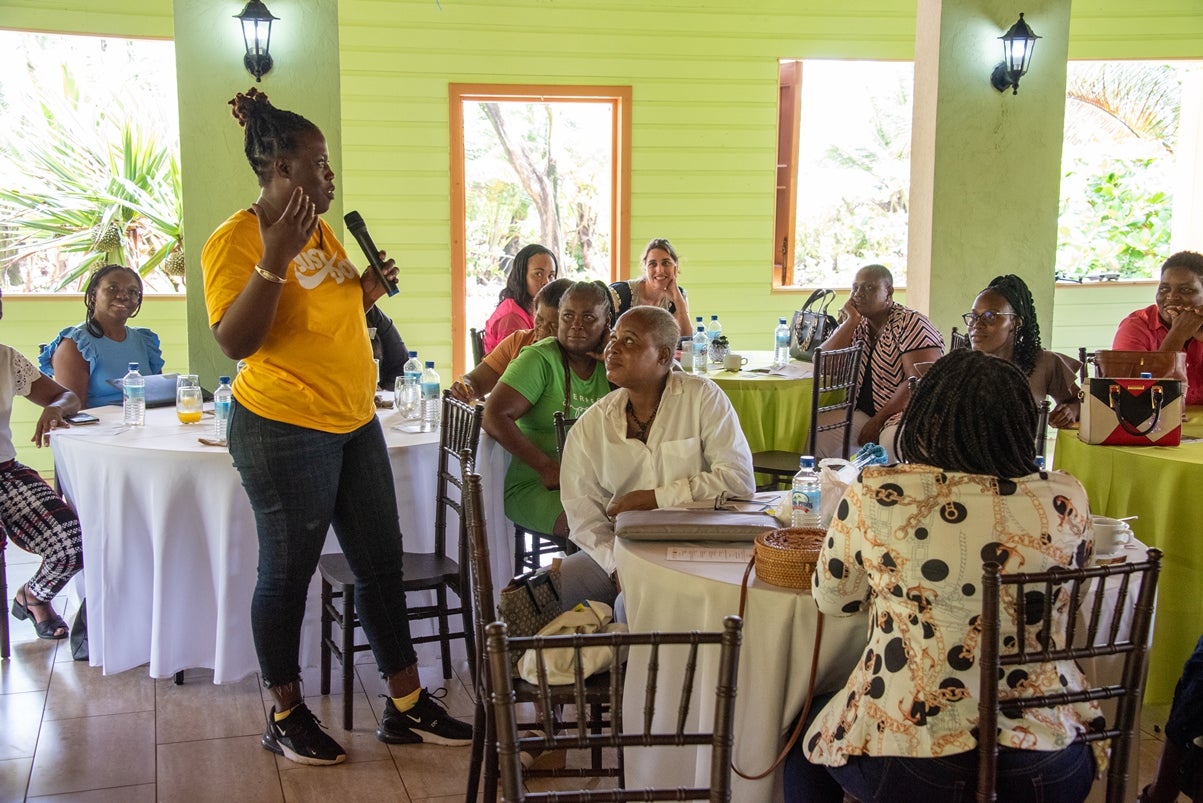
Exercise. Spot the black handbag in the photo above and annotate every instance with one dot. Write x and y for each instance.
(811, 326)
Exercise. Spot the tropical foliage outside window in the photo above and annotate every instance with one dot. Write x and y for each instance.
(854, 170)
(1121, 130)
(535, 173)
(91, 169)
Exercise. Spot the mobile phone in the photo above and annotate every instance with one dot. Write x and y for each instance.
(81, 418)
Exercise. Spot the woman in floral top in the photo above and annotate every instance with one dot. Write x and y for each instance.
(909, 542)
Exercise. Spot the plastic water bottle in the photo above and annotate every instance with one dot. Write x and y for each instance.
(701, 349)
(781, 344)
(714, 331)
(223, 400)
(409, 397)
(806, 495)
(133, 397)
(430, 398)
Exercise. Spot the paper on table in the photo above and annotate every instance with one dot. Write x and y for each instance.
(704, 554)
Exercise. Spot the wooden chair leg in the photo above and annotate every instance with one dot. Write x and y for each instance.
(519, 550)
(348, 656)
(444, 629)
(477, 756)
(5, 649)
(327, 601)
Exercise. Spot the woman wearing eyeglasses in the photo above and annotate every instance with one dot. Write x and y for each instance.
(83, 358)
(1003, 324)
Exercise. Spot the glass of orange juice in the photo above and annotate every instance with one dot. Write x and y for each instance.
(188, 399)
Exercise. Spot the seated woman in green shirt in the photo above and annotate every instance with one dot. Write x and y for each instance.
(558, 373)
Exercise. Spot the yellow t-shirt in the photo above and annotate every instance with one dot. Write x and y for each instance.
(315, 366)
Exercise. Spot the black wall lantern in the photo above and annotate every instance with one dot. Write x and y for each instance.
(1018, 44)
(257, 34)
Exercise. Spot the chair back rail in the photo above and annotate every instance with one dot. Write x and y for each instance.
(835, 370)
(719, 736)
(1042, 427)
(1086, 359)
(1035, 597)
(562, 426)
(484, 756)
(477, 338)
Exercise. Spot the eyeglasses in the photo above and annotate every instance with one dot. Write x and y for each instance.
(116, 291)
(987, 318)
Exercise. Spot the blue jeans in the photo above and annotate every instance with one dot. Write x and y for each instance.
(1024, 776)
(1185, 722)
(301, 481)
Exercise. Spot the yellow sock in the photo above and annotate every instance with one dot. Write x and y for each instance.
(408, 701)
(281, 715)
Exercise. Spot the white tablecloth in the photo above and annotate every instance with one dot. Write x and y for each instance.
(170, 549)
(774, 663)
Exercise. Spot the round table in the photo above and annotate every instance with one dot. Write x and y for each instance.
(774, 410)
(170, 548)
(664, 594)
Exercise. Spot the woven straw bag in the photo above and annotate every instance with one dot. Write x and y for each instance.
(787, 557)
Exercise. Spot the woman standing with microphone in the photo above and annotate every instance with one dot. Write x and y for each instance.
(282, 295)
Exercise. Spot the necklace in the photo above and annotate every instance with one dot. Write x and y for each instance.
(643, 425)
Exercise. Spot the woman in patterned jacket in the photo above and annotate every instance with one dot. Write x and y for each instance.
(908, 542)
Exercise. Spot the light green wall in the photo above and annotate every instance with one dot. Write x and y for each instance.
(704, 87)
(985, 165)
(217, 178)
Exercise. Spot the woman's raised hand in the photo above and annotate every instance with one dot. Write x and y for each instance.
(284, 237)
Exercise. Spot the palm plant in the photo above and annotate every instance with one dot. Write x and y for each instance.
(88, 189)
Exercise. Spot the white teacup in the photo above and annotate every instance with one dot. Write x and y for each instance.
(1110, 535)
(734, 362)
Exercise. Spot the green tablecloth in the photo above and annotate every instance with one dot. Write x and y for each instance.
(774, 411)
(1163, 486)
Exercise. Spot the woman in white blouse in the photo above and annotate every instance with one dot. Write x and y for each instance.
(908, 542)
(660, 439)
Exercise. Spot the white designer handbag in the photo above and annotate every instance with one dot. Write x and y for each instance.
(588, 617)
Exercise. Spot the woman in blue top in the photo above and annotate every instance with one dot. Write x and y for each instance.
(85, 357)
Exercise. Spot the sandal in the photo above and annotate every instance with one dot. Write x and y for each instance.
(48, 628)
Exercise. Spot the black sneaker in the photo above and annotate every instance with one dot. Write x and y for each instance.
(428, 721)
(300, 737)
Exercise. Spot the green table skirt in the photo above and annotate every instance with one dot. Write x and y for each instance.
(1163, 485)
(774, 412)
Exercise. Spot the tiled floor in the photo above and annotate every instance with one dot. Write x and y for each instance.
(69, 733)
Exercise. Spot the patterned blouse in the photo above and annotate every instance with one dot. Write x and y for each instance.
(904, 331)
(909, 542)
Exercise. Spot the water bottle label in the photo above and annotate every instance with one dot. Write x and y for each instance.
(222, 408)
(802, 501)
(430, 390)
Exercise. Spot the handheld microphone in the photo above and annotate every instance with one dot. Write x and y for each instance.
(359, 231)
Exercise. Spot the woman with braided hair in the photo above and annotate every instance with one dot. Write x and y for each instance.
(907, 543)
(283, 296)
(1003, 323)
(83, 358)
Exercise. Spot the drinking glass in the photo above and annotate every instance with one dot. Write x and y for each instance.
(408, 399)
(188, 399)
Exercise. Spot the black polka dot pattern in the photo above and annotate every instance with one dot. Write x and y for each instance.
(908, 542)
